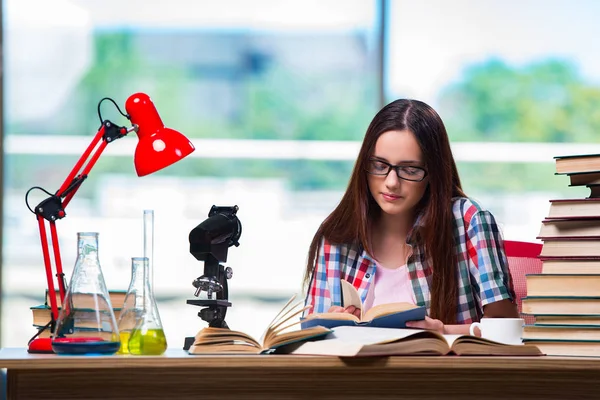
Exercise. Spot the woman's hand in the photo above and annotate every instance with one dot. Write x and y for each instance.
(350, 310)
(428, 323)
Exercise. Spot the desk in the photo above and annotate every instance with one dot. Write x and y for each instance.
(177, 375)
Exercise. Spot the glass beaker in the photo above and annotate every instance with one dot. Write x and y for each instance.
(86, 323)
(140, 326)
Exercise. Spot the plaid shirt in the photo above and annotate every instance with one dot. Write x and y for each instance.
(483, 275)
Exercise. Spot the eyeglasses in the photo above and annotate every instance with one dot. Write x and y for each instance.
(406, 172)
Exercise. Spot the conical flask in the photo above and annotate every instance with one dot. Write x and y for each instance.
(86, 323)
(140, 326)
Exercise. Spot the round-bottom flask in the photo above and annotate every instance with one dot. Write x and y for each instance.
(86, 323)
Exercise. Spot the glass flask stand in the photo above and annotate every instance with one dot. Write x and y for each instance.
(139, 325)
(86, 323)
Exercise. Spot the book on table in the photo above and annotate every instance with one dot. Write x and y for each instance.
(573, 320)
(565, 297)
(82, 300)
(583, 208)
(42, 315)
(360, 341)
(79, 332)
(584, 178)
(577, 163)
(569, 228)
(561, 332)
(588, 265)
(569, 348)
(594, 190)
(391, 315)
(565, 305)
(563, 285)
(277, 335)
(574, 248)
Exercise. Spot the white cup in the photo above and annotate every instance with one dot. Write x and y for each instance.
(503, 330)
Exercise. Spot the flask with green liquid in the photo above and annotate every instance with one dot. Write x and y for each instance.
(140, 327)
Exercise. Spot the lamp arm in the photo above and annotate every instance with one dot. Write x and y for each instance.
(148, 159)
(53, 207)
(108, 133)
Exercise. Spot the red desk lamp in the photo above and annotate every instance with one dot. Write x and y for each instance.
(158, 147)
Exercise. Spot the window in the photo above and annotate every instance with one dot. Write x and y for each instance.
(274, 95)
(516, 84)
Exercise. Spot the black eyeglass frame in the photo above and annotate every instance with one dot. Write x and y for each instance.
(396, 169)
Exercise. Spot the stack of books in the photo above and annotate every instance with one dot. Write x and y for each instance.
(565, 297)
(42, 313)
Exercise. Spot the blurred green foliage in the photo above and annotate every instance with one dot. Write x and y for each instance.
(547, 101)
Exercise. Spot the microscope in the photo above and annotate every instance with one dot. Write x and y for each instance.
(209, 242)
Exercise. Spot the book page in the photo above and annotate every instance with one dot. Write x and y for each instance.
(219, 340)
(329, 347)
(336, 316)
(473, 345)
(350, 296)
(220, 335)
(450, 339)
(296, 336)
(233, 348)
(283, 324)
(386, 309)
(279, 331)
(281, 314)
(369, 335)
(350, 341)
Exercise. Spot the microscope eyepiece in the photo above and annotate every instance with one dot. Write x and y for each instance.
(220, 230)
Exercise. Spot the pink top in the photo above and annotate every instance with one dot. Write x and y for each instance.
(390, 286)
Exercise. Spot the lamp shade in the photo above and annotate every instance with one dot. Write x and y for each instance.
(158, 146)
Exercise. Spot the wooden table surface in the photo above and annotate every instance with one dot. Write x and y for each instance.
(174, 358)
(181, 376)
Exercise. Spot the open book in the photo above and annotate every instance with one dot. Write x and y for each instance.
(358, 341)
(391, 315)
(278, 334)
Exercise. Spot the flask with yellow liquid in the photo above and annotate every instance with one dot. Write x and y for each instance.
(140, 327)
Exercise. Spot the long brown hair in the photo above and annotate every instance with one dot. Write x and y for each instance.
(349, 222)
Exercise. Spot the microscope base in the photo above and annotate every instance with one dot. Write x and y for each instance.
(213, 313)
(189, 341)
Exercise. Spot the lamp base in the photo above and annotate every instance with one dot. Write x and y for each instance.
(40, 346)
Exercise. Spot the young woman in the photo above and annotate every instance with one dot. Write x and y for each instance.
(405, 231)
